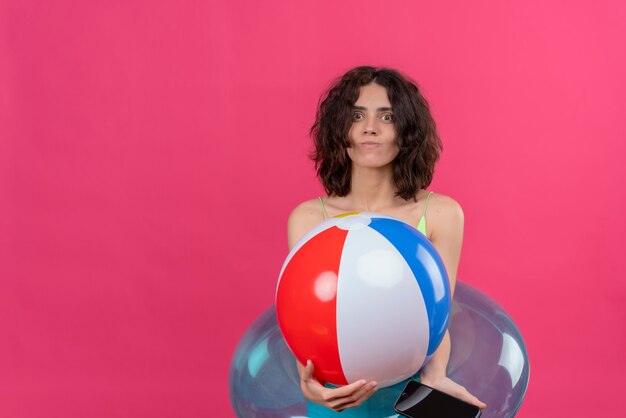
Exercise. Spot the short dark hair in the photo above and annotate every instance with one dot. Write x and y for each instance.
(417, 136)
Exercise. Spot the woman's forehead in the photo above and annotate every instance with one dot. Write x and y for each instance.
(372, 95)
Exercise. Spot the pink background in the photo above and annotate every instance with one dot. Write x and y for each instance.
(151, 151)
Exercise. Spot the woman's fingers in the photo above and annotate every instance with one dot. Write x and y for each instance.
(308, 370)
(340, 398)
(447, 385)
(355, 399)
(473, 400)
(344, 391)
(462, 393)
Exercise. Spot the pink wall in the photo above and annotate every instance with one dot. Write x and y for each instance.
(150, 152)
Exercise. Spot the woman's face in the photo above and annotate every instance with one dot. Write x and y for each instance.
(373, 133)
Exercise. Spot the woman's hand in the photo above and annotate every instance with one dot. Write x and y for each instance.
(338, 399)
(447, 385)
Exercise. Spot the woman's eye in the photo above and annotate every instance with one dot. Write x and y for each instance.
(388, 117)
(357, 116)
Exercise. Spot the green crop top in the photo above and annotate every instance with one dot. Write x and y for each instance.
(421, 225)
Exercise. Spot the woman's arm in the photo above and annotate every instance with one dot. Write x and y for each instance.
(447, 236)
(302, 219)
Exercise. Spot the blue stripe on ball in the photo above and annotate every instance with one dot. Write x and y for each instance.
(428, 269)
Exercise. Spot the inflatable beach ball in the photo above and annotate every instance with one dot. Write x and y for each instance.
(363, 296)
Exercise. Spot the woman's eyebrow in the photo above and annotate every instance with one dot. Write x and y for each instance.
(365, 108)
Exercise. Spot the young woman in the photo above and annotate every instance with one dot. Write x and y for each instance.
(375, 149)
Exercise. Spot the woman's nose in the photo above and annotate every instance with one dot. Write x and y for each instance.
(370, 127)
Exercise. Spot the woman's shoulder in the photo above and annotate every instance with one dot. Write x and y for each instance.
(442, 203)
(308, 209)
(303, 218)
(444, 212)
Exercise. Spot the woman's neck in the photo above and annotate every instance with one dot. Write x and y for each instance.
(371, 189)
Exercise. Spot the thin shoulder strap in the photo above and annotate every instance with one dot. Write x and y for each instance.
(323, 208)
(421, 225)
(426, 203)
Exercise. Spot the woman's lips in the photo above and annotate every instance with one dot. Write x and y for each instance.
(370, 145)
